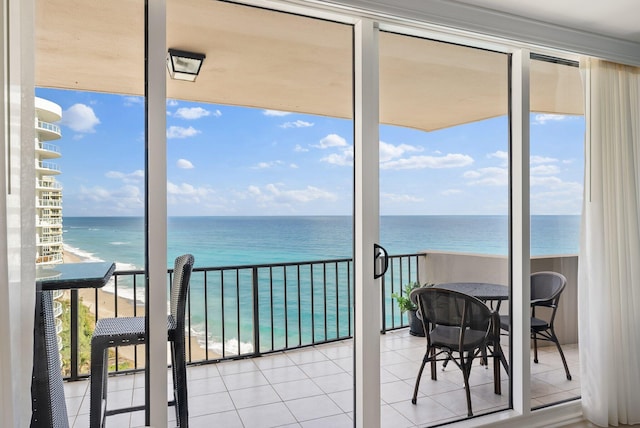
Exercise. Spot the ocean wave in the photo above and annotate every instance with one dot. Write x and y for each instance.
(125, 292)
(119, 243)
(120, 266)
(84, 255)
(231, 346)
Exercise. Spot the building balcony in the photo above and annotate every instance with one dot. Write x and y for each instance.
(314, 387)
(47, 150)
(48, 168)
(303, 374)
(49, 221)
(48, 240)
(49, 259)
(47, 131)
(48, 185)
(49, 203)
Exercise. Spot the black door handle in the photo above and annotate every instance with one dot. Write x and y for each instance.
(380, 252)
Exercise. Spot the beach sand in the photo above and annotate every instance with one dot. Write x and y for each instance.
(107, 309)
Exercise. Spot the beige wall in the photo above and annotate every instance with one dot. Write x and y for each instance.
(438, 267)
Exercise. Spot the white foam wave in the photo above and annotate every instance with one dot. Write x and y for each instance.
(125, 292)
(84, 255)
(120, 266)
(118, 243)
(231, 346)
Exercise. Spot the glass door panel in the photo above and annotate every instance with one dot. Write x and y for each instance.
(557, 171)
(259, 166)
(90, 80)
(444, 204)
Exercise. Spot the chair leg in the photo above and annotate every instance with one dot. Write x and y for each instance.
(555, 340)
(432, 357)
(466, 371)
(180, 383)
(98, 387)
(415, 390)
(535, 347)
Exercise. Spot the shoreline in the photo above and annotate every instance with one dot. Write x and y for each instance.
(107, 304)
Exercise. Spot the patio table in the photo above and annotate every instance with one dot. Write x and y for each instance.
(47, 392)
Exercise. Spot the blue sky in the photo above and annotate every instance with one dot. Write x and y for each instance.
(227, 160)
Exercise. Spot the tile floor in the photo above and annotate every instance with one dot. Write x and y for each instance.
(313, 387)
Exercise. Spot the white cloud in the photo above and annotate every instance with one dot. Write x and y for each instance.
(132, 101)
(299, 148)
(389, 151)
(341, 159)
(265, 165)
(274, 194)
(392, 197)
(541, 119)
(185, 193)
(184, 164)
(296, 124)
(491, 176)
(131, 177)
(536, 159)
(126, 200)
(331, 140)
(449, 192)
(276, 113)
(180, 132)
(192, 113)
(172, 103)
(293, 166)
(502, 155)
(80, 118)
(451, 160)
(545, 170)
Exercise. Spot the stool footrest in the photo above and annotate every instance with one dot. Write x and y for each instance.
(124, 410)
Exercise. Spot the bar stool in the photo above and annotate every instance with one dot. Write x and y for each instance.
(128, 331)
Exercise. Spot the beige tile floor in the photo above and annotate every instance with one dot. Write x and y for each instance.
(313, 387)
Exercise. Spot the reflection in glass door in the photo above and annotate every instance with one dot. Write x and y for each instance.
(444, 204)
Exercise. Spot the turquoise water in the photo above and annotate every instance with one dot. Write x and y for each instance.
(235, 241)
(228, 241)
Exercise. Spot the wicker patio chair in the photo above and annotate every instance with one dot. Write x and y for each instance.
(458, 328)
(128, 331)
(546, 288)
(49, 409)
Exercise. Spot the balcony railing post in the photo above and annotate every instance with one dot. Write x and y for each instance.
(256, 313)
(73, 325)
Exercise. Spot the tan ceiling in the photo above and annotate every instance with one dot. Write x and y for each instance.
(272, 60)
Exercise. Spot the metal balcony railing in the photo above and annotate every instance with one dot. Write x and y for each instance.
(245, 311)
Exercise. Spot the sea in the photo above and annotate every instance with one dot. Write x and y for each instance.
(235, 241)
(231, 241)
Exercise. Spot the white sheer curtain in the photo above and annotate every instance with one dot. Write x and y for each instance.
(609, 260)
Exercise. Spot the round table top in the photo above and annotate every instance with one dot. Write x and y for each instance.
(480, 290)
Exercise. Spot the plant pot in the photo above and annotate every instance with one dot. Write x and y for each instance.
(415, 325)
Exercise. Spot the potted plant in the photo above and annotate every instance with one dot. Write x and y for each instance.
(406, 305)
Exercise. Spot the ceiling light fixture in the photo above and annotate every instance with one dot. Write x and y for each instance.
(184, 65)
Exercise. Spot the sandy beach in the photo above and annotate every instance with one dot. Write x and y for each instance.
(107, 309)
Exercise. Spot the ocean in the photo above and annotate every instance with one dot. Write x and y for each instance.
(231, 241)
(236, 241)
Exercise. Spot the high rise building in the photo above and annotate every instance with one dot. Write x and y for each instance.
(48, 190)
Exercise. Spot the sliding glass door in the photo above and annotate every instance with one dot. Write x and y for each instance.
(444, 205)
